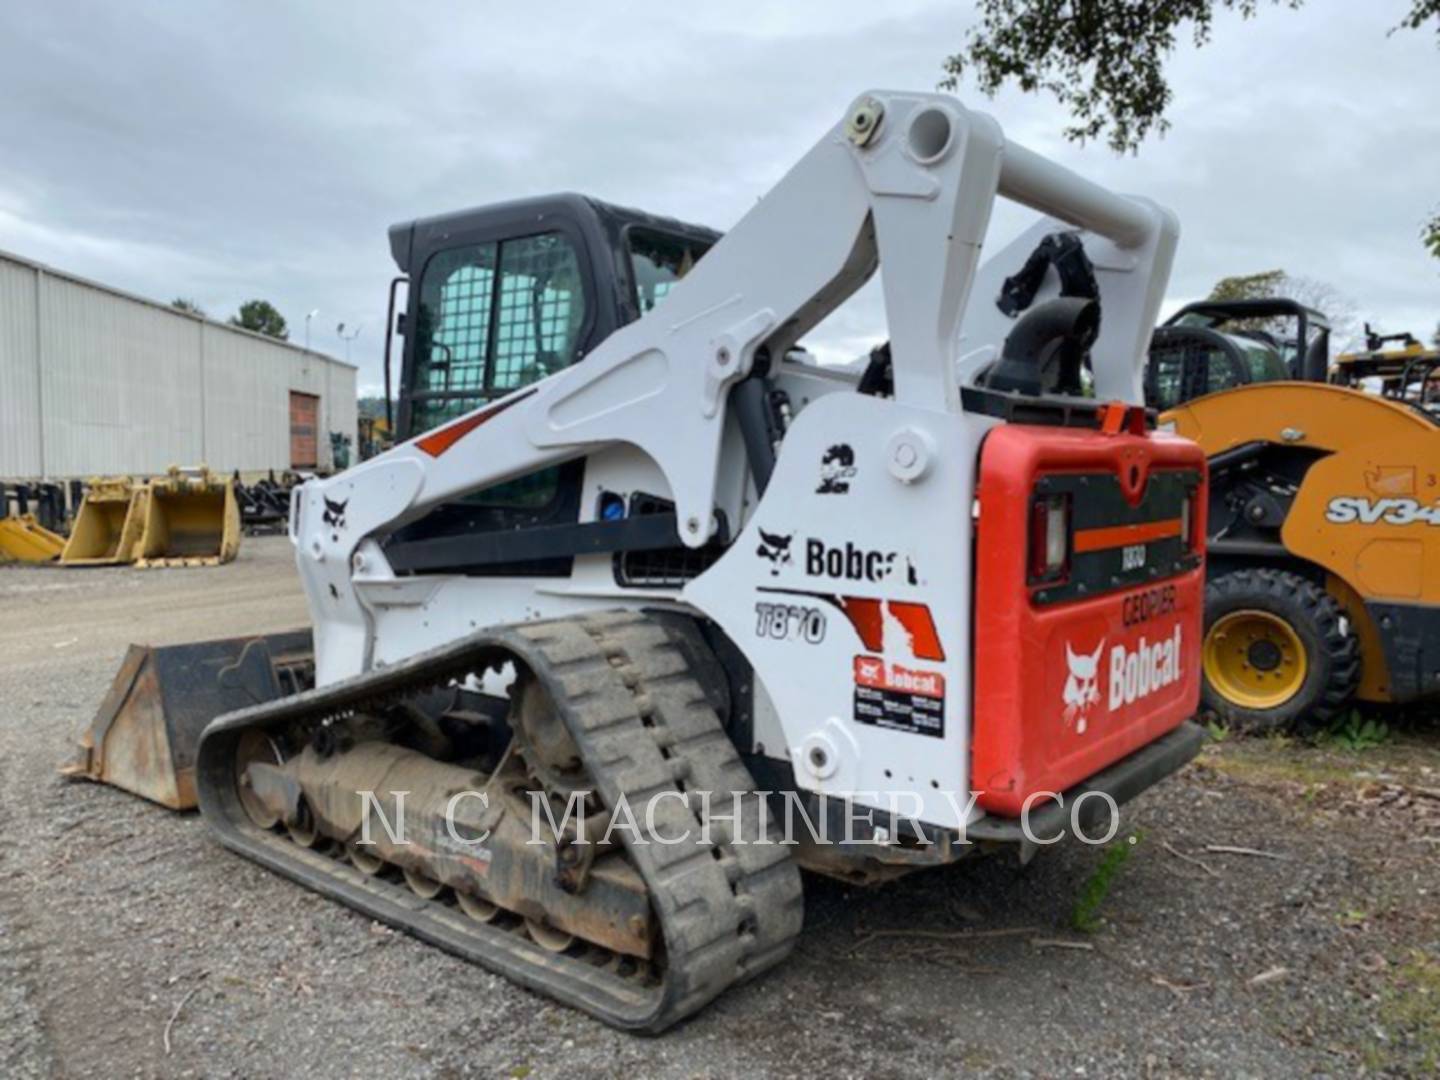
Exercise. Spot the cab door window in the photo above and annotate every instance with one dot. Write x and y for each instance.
(539, 312)
(492, 318)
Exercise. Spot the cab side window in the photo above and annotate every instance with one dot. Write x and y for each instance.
(1221, 372)
(1166, 371)
(491, 319)
(657, 262)
(540, 310)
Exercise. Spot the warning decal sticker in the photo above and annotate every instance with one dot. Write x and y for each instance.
(899, 698)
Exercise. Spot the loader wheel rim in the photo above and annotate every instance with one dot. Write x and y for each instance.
(1255, 659)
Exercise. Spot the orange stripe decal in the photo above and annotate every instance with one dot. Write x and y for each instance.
(867, 615)
(442, 439)
(1114, 536)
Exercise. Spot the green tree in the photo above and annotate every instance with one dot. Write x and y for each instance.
(1430, 236)
(261, 317)
(190, 307)
(1104, 60)
(1339, 309)
(370, 406)
(1259, 286)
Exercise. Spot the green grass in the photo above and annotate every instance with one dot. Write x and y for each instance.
(1259, 765)
(1410, 1015)
(1354, 732)
(1085, 915)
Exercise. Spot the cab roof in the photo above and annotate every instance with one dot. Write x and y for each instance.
(612, 219)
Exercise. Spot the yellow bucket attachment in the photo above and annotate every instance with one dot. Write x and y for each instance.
(107, 524)
(144, 736)
(23, 539)
(190, 519)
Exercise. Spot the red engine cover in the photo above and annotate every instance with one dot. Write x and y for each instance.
(1073, 675)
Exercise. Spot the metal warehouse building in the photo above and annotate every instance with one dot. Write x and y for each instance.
(94, 381)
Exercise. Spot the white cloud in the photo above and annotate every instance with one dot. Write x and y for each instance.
(224, 152)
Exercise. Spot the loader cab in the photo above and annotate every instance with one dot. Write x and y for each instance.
(502, 296)
(1211, 346)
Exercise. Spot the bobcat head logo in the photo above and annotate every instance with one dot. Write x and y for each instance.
(1082, 686)
(776, 548)
(334, 515)
(837, 468)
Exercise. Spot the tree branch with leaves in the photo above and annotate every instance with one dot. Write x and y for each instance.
(1104, 60)
(261, 317)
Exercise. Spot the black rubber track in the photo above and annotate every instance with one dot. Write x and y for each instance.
(1331, 647)
(728, 910)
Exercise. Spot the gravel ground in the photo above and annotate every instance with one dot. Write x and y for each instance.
(1320, 957)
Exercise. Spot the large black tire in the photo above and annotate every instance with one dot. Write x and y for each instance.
(1330, 647)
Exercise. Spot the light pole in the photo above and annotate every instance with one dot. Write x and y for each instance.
(308, 317)
(347, 338)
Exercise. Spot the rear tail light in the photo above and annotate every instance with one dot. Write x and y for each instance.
(1189, 521)
(1049, 538)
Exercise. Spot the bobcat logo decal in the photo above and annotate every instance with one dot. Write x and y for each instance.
(776, 548)
(1082, 686)
(334, 515)
(837, 469)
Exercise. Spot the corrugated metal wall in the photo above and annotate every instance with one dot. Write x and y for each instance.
(19, 382)
(93, 381)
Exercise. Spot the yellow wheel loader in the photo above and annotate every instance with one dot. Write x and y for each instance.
(1323, 581)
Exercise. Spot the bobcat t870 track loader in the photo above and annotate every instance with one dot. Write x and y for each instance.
(651, 573)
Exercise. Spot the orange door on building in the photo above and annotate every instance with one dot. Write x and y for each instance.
(304, 413)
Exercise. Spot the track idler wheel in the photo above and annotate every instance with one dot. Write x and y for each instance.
(545, 744)
(255, 746)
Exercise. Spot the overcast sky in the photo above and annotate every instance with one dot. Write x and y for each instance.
(229, 151)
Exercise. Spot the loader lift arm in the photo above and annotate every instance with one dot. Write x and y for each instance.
(913, 196)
